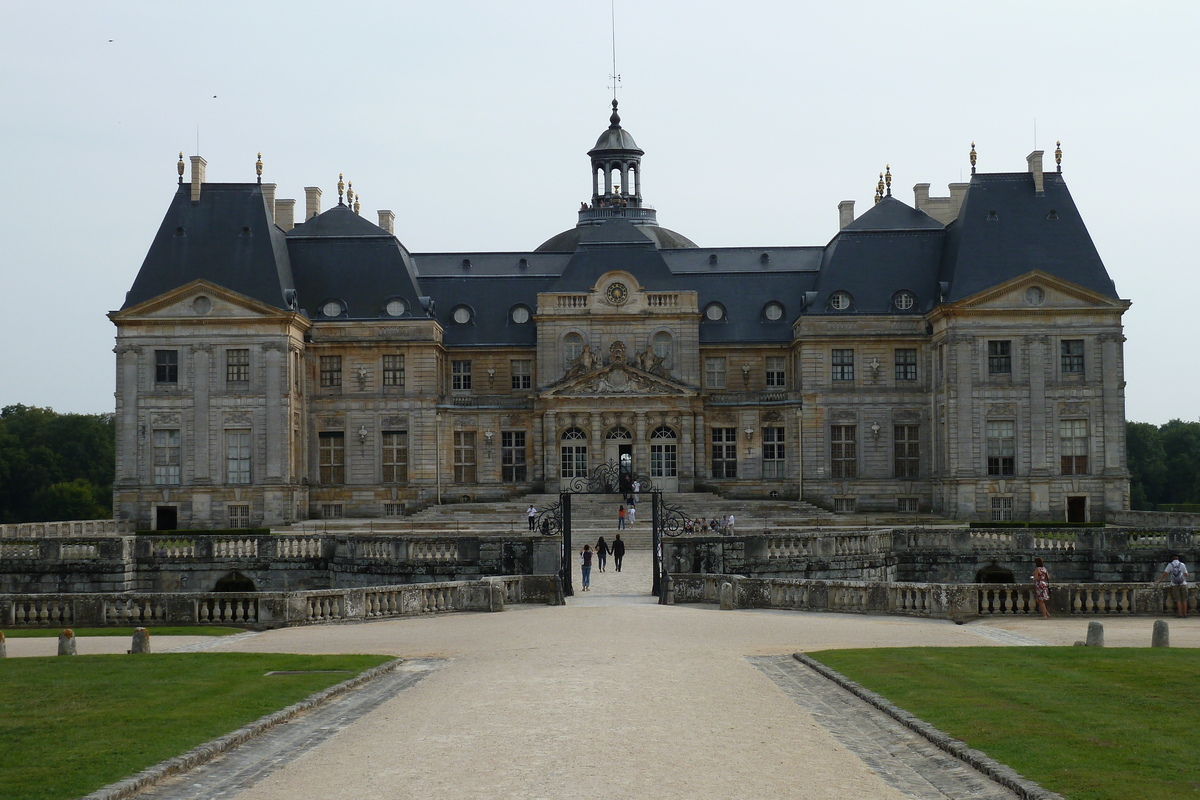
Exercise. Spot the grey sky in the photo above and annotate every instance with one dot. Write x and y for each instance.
(471, 121)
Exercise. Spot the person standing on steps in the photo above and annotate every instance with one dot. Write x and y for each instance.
(618, 551)
(621, 519)
(637, 487)
(1178, 572)
(602, 552)
(1041, 586)
(632, 515)
(532, 512)
(585, 566)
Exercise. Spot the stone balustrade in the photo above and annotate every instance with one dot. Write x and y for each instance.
(261, 610)
(943, 601)
(84, 527)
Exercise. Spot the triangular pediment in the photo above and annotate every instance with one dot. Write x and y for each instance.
(1037, 290)
(619, 379)
(197, 300)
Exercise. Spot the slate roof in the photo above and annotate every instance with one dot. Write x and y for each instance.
(227, 238)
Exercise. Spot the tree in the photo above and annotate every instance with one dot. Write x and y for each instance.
(1147, 465)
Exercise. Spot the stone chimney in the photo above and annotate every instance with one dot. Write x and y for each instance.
(198, 165)
(268, 190)
(845, 213)
(312, 202)
(285, 214)
(1035, 169)
(920, 196)
(387, 221)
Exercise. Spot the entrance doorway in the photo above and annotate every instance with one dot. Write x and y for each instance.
(618, 449)
(1077, 509)
(166, 518)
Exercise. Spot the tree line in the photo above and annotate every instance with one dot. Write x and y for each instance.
(60, 466)
(55, 466)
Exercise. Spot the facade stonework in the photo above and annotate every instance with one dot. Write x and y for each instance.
(968, 364)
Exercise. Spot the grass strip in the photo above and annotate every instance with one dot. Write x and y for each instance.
(72, 725)
(175, 630)
(1088, 723)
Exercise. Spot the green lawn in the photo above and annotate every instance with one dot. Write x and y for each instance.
(196, 630)
(71, 725)
(1088, 723)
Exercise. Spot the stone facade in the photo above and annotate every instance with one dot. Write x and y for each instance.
(967, 363)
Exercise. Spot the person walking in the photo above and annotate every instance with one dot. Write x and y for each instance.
(602, 552)
(1041, 586)
(637, 488)
(585, 566)
(729, 525)
(1178, 573)
(632, 515)
(621, 519)
(532, 513)
(618, 551)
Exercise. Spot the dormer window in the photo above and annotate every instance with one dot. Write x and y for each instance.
(904, 300)
(839, 301)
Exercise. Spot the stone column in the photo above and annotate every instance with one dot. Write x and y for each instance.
(699, 445)
(962, 406)
(1038, 363)
(276, 422)
(127, 390)
(687, 455)
(204, 470)
(550, 449)
(796, 451)
(641, 452)
(596, 452)
(1111, 370)
(537, 433)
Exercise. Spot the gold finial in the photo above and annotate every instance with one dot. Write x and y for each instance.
(888, 178)
(350, 194)
(972, 158)
(1058, 155)
(341, 188)
(179, 167)
(258, 168)
(879, 189)
(356, 204)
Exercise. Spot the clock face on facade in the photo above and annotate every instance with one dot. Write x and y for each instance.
(616, 293)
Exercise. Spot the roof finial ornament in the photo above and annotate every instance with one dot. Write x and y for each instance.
(350, 195)
(179, 168)
(1058, 155)
(973, 158)
(615, 77)
(888, 178)
(258, 168)
(356, 203)
(879, 189)
(341, 188)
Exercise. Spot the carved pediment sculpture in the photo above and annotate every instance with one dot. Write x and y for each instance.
(649, 361)
(585, 362)
(616, 353)
(618, 379)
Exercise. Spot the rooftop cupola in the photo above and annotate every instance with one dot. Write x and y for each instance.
(616, 178)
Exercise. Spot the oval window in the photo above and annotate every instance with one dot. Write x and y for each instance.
(462, 315)
(773, 311)
(840, 301)
(396, 308)
(332, 308)
(201, 305)
(905, 300)
(715, 312)
(520, 315)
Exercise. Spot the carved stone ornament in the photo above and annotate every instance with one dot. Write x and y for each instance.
(237, 419)
(723, 416)
(514, 420)
(395, 422)
(1002, 410)
(331, 422)
(616, 353)
(1073, 409)
(907, 415)
(164, 419)
(465, 422)
(648, 361)
(772, 416)
(585, 362)
(843, 415)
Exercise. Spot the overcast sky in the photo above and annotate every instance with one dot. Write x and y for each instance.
(471, 120)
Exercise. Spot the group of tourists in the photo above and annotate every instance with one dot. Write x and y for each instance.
(600, 557)
(721, 525)
(1176, 572)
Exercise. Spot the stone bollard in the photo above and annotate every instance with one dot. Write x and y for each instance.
(1162, 634)
(497, 598)
(556, 596)
(141, 641)
(1095, 634)
(3, 646)
(726, 596)
(66, 643)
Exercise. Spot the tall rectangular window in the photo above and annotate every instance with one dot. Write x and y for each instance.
(1002, 509)
(714, 372)
(906, 364)
(166, 457)
(843, 365)
(574, 461)
(1000, 357)
(1073, 446)
(166, 366)
(843, 451)
(776, 372)
(393, 371)
(1072, 356)
(522, 374)
(1001, 447)
(331, 457)
(724, 452)
(906, 450)
(464, 456)
(460, 376)
(395, 456)
(237, 457)
(513, 456)
(772, 453)
(331, 371)
(237, 366)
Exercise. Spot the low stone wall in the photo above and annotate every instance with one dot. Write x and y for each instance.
(262, 610)
(85, 527)
(958, 602)
(1153, 519)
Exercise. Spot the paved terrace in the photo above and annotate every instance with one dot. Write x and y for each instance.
(611, 697)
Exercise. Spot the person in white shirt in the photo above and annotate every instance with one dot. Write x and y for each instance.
(1178, 572)
(532, 512)
(729, 525)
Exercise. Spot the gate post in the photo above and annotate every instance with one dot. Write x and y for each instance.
(656, 542)
(568, 559)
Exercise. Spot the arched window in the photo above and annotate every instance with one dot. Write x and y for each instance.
(572, 347)
(662, 347)
(574, 454)
(664, 453)
(619, 434)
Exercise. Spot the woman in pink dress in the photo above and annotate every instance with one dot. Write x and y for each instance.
(1041, 586)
